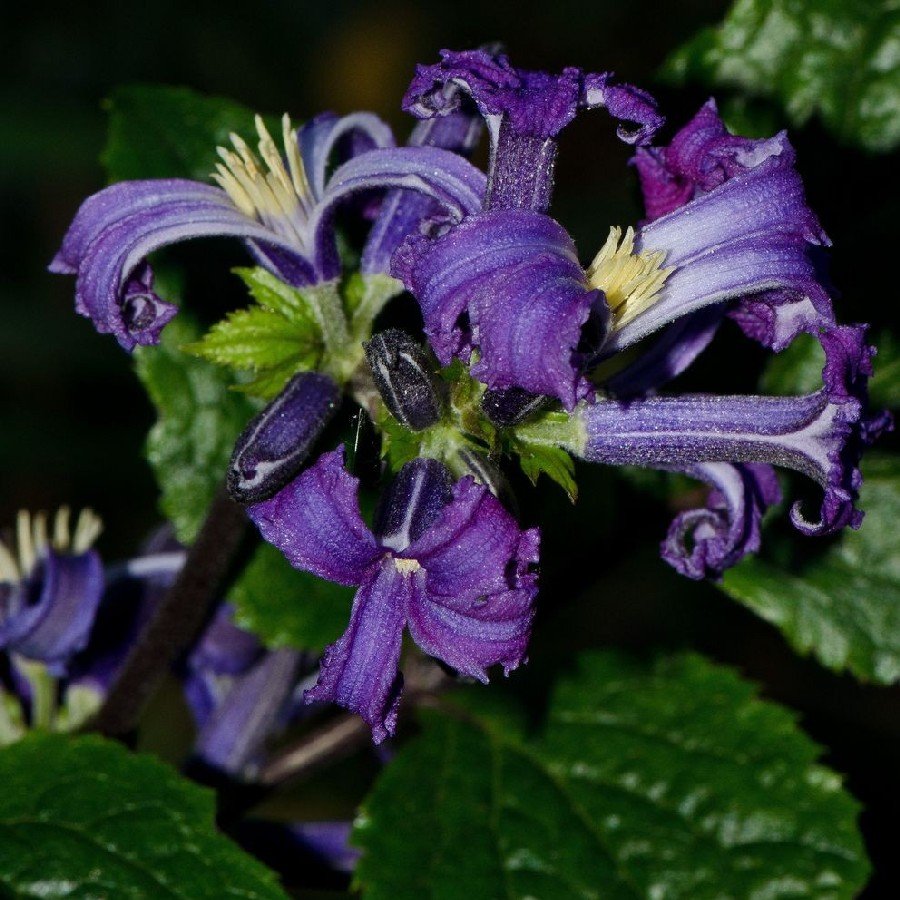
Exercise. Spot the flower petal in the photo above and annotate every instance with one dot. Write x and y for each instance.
(359, 671)
(516, 274)
(316, 524)
(703, 543)
(54, 622)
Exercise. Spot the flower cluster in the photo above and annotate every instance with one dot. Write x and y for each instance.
(525, 345)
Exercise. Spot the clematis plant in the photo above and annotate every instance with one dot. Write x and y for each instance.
(523, 354)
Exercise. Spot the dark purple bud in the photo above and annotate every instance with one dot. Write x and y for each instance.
(274, 446)
(415, 498)
(511, 406)
(404, 375)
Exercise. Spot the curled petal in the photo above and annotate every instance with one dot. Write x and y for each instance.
(161, 213)
(626, 103)
(49, 616)
(276, 443)
(703, 543)
(701, 156)
(818, 435)
(749, 237)
(316, 524)
(516, 275)
(359, 671)
(480, 584)
(321, 137)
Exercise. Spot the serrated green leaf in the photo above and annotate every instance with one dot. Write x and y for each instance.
(554, 462)
(286, 607)
(666, 779)
(198, 420)
(85, 819)
(272, 293)
(843, 607)
(169, 132)
(829, 58)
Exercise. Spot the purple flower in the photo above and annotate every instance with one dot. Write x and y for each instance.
(821, 435)
(51, 584)
(506, 288)
(238, 693)
(282, 208)
(445, 560)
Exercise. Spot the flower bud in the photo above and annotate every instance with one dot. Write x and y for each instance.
(404, 375)
(273, 448)
(511, 406)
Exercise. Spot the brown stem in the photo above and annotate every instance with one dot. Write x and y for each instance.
(178, 620)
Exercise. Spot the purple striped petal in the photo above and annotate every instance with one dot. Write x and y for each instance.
(626, 103)
(749, 237)
(480, 584)
(328, 135)
(516, 275)
(359, 671)
(49, 616)
(316, 524)
(703, 543)
(814, 434)
(116, 230)
(402, 212)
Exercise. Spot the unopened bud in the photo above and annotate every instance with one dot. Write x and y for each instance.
(272, 449)
(405, 378)
(511, 406)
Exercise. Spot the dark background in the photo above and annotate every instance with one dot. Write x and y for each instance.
(73, 418)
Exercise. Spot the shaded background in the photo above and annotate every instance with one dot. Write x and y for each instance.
(73, 418)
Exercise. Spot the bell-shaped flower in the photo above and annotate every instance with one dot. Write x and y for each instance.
(281, 206)
(445, 560)
(51, 584)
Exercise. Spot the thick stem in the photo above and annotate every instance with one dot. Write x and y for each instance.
(178, 619)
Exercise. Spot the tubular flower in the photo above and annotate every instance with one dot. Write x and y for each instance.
(281, 206)
(445, 560)
(51, 583)
(505, 285)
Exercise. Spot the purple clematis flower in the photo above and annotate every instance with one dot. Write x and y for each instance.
(238, 693)
(506, 286)
(282, 208)
(506, 283)
(820, 435)
(50, 587)
(445, 560)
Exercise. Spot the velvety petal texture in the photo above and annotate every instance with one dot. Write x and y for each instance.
(315, 522)
(703, 543)
(508, 285)
(751, 236)
(820, 435)
(448, 561)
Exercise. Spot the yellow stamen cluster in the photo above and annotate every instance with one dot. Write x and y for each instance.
(631, 281)
(406, 566)
(34, 538)
(275, 193)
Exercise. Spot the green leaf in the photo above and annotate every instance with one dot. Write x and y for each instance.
(84, 818)
(829, 58)
(666, 779)
(198, 420)
(554, 462)
(884, 386)
(844, 606)
(169, 132)
(288, 608)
